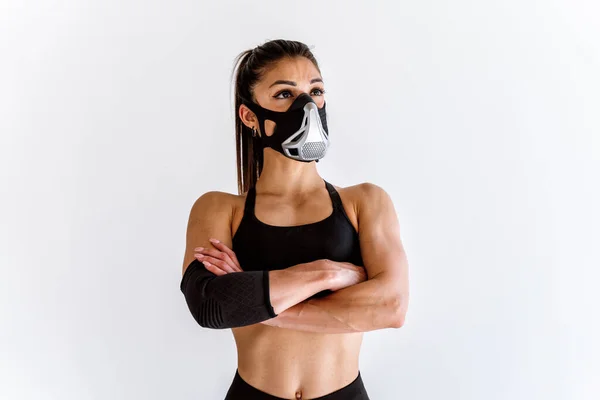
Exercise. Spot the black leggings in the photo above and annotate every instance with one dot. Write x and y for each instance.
(242, 390)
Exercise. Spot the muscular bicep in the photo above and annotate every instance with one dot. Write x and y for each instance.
(210, 217)
(379, 233)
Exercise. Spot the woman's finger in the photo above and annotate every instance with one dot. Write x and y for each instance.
(235, 265)
(226, 267)
(210, 252)
(219, 245)
(215, 270)
(219, 255)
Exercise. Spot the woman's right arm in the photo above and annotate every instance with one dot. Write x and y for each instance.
(240, 298)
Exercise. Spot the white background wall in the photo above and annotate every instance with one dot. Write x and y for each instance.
(480, 119)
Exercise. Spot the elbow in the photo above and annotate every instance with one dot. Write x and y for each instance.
(211, 325)
(398, 321)
(398, 311)
(208, 314)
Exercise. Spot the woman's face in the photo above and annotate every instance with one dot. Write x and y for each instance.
(280, 86)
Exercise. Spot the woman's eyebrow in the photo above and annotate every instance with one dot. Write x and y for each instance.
(292, 83)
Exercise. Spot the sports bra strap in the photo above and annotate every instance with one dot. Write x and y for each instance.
(335, 196)
(250, 201)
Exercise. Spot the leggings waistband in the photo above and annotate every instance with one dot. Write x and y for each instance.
(242, 390)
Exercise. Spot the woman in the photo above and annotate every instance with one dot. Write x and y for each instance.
(271, 263)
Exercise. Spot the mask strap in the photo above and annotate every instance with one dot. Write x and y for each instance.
(263, 114)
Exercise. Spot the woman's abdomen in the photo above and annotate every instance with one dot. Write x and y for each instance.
(282, 361)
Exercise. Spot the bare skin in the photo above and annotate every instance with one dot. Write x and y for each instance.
(284, 362)
(312, 347)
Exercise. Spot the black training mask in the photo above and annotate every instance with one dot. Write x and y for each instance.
(300, 132)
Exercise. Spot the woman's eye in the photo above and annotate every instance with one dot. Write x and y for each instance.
(277, 96)
(286, 94)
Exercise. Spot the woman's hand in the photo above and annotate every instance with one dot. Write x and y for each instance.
(347, 274)
(220, 261)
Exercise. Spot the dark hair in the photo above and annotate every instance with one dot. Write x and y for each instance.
(252, 66)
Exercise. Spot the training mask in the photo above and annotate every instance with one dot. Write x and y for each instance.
(300, 132)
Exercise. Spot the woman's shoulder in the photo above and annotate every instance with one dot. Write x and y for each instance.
(355, 197)
(362, 196)
(217, 201)
(360, 191)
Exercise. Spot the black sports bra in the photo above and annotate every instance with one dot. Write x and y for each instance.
(260, 246)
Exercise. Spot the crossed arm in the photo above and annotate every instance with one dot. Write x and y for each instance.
(379, 302)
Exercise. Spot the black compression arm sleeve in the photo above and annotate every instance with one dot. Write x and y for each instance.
(226, 301)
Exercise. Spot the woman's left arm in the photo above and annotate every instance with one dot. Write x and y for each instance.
(377, 303)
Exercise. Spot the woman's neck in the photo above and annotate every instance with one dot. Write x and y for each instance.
(286, 177)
